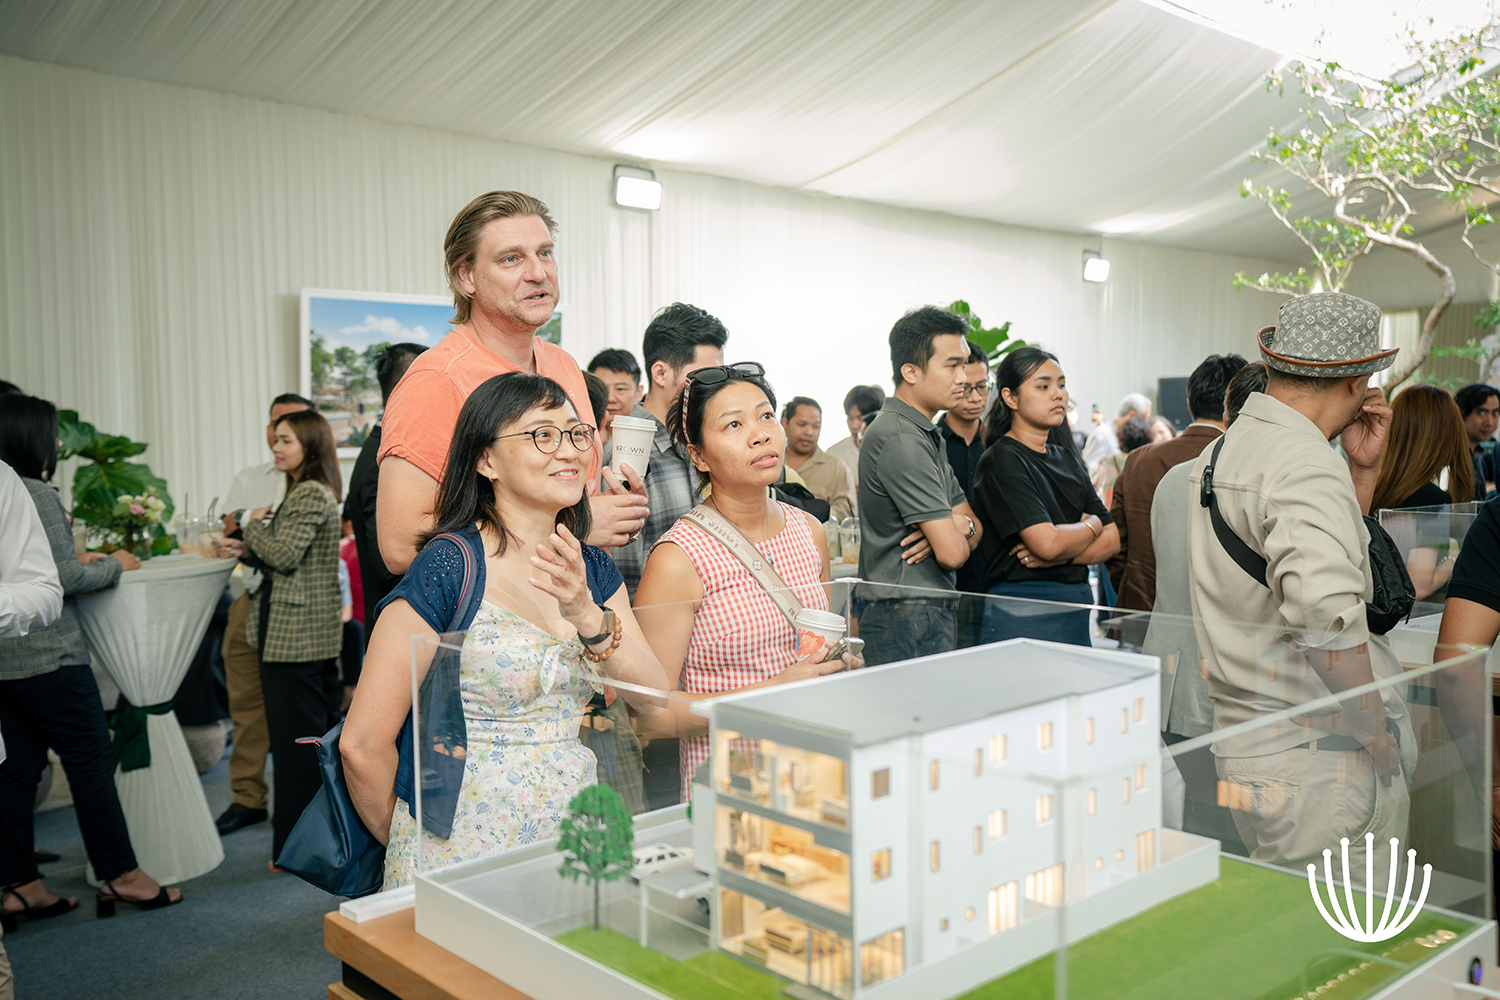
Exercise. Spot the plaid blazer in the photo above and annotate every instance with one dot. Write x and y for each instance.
(300, 551)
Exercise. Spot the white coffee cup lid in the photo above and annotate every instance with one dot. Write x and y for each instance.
(815, 619)
(634, 423)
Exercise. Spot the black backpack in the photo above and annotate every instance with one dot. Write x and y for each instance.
(1394, 594)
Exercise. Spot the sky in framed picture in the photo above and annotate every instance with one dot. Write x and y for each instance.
(343, 335)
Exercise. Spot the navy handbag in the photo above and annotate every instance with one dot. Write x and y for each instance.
(329, 846)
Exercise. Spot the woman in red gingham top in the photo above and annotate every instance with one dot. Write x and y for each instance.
(712, 626)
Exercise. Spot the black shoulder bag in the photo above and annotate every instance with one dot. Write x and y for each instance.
(1394, 594)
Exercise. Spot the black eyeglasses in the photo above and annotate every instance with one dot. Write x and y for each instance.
(714, 374)
(548, 438)
(983, 388)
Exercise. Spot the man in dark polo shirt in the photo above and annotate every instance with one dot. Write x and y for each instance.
(1133, 569)
(963, 446)
(916, 527)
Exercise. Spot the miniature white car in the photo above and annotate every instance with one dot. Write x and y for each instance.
(653, 859)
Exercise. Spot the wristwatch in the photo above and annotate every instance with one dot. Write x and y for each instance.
(608, 627)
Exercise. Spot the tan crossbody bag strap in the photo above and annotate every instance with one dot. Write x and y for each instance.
(732, 538)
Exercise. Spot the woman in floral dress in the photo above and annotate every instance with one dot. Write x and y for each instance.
(543, 613)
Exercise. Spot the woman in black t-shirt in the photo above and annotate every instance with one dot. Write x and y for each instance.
(1044, 524)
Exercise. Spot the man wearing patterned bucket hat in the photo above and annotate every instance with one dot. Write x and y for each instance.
(1279, 589)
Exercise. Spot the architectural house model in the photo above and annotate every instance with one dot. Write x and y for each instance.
(917, 829)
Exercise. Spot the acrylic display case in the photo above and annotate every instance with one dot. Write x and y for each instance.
(1430, 539)
(1012, 820)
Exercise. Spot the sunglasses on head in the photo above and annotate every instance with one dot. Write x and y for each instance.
(715, 374)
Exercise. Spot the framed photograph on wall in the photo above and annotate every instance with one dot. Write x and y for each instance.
(343, 334)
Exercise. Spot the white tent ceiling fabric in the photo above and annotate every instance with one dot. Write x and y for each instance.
(154, 240)
(1072, 115)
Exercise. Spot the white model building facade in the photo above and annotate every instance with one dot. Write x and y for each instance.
(895, 831)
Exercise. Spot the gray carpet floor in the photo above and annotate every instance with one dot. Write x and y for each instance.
(240, 931)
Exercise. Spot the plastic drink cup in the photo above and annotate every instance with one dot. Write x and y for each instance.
(817, 630)
(632, 439)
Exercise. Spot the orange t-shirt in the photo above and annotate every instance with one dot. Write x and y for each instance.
(423, 409)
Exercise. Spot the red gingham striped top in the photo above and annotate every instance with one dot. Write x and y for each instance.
(739, 635)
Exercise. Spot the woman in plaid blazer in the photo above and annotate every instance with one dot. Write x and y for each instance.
(296, 624)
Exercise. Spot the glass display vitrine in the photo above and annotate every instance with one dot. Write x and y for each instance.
(1018, 819)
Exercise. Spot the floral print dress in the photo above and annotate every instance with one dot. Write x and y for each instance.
(524, 692)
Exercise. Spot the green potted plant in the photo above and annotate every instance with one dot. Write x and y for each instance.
(108, 486)
(993, 340)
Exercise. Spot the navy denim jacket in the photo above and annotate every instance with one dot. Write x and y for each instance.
(446, 594)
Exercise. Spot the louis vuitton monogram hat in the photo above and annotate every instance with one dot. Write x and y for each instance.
(1326, 335)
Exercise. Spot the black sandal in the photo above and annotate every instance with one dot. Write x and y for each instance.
(104, 906)
(8, 917)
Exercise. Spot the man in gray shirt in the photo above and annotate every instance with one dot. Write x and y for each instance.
(916, 527)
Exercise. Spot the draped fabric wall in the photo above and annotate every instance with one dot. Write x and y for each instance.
(154, 240)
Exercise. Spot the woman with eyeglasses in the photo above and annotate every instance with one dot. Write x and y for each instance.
(713, 627)
(542, 616)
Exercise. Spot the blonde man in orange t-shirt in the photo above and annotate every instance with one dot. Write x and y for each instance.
(502, 269)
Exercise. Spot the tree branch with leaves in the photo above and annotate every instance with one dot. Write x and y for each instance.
(1370, 147)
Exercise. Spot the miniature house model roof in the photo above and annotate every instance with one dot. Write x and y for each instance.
(878, 704)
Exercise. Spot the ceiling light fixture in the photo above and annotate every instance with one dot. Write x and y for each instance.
(1095, 267)
(637, 187)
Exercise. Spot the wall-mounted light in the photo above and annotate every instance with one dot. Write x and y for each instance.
(637, 187)
(1095, 267)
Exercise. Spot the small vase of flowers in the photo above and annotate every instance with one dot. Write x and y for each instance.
(132, 519)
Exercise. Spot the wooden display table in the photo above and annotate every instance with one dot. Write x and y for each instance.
(386, 958)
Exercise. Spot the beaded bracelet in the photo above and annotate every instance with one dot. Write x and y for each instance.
(614, 644)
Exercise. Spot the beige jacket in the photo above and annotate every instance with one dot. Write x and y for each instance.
(1285, 492)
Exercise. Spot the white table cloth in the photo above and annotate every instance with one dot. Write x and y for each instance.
(144, 633)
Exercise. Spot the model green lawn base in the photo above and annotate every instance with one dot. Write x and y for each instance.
(710, 976)
(1252, 935)
(1255, 934)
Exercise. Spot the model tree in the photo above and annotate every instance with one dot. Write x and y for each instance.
(1377, 149)
(598, 835)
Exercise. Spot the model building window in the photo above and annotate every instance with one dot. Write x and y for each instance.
(882, 958)
(1044, 736)
(1003, 908)
(997, 824)
(1043, 809)
(932, 775)
(978, 762)
(1088, 730)
(1046, 886)
(787, 857)
(969, 913)
(1124, 720)
(933, 851)
(1093, 801)
(978, 839)
(997, 749)
(1139, 709)
(880, 783)
(1098, 862)
(1145, 850)
(1140, 776)
(1127, 789)
(880, 864)
(943, 924)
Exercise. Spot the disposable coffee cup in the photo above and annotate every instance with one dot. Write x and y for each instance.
(816, 630)
(632, 438)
